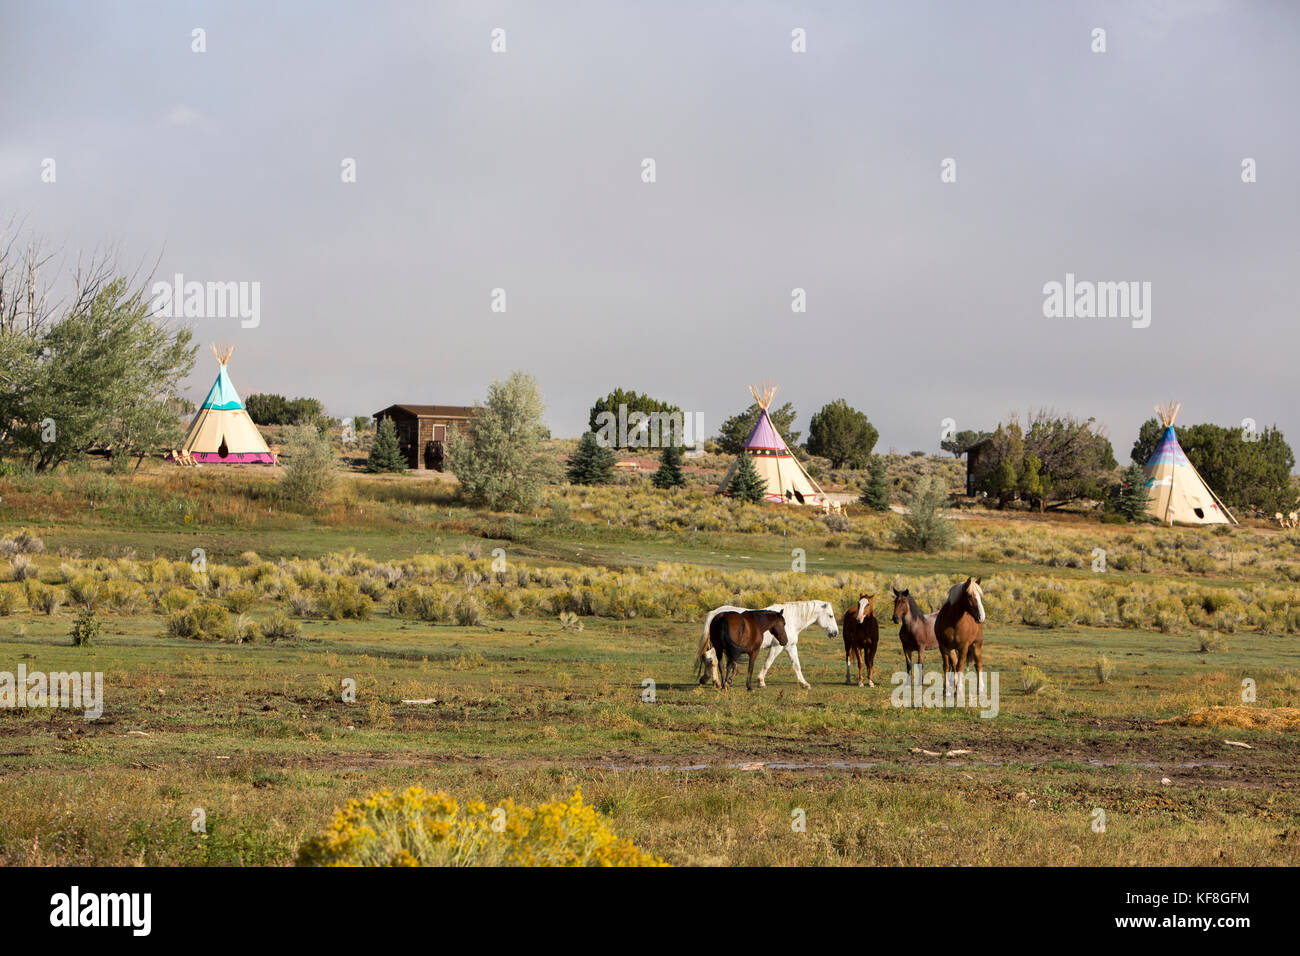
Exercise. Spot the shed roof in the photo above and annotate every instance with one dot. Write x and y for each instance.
(430, 411)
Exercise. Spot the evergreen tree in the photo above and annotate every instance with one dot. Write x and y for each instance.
(841, 433)
(592, 463)
(876, 495)
(1033, 485)
(669, 474)
(1131, 496)
(386, 453)
(747, 484)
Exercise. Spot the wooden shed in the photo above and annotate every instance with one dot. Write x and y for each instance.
(978, 460)
(422, 431)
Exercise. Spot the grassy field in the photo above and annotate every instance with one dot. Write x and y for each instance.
(511, 701)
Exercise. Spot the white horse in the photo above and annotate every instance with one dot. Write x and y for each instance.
(798, 615)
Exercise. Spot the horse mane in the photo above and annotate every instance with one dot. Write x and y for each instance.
(914, 608)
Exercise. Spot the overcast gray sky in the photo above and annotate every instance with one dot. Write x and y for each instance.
(775, 170)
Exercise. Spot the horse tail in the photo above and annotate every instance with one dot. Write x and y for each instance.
(706, 642)
(720, 636)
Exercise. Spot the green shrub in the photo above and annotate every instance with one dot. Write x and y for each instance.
(85, 629)
(205, 621)
(176, 599)
(469, 613)
(240, 600)
(1105, 669)
(1033, 680)
(342, 599)
(926, 527)
(281, 628)
(1212, 643)
(312, 474)
(22, 568)
(246, 630)
(44, 599)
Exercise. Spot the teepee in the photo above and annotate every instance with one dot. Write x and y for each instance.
(1178, 493)
(222, 432)
(785, 478)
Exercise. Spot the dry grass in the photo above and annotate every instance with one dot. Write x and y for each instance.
(1242, 718)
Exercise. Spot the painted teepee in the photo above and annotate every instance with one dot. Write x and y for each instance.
(785, 478)
(1178, 493)
(222, 432)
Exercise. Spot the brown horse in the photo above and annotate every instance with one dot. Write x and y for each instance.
(917, 631)
(741, 632)
(960, 631)
(861, 635)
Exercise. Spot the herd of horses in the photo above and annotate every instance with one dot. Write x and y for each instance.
(955, 630)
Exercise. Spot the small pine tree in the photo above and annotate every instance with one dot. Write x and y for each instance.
(876, 495)
(747, 484)
(592, 463)
(1131, 497)
(386, 453)
(1033, 484)
(669, 474)
(926, 527)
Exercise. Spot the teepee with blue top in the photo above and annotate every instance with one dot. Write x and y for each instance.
(1177, 492)
(222, 432)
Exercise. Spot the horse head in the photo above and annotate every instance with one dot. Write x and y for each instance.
(826, 618)
(974, 597)
(776, 624)
(900, 605)
(864, 605)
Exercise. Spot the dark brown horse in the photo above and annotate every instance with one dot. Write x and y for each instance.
(917, 631)
(861, 635)
(959, 629)
(741, 632)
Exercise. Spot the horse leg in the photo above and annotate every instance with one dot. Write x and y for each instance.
(847, 652)
(749, 681)
(793, 650)
(857, 652)
(772, 655)
(960, 689)
(715, 673)
(978, 653)
(871, 665)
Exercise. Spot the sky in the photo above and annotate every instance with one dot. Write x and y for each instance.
(774, 170)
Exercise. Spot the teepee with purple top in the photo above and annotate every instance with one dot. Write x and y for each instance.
(785, 478)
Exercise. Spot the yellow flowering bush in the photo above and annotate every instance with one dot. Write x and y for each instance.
(418, 828)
